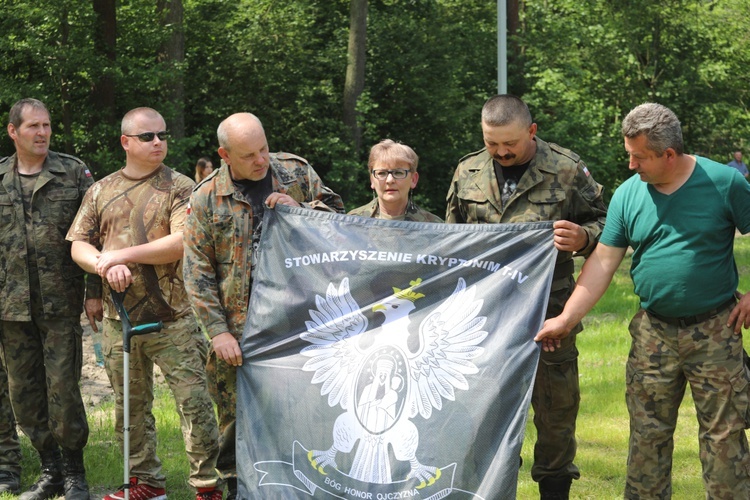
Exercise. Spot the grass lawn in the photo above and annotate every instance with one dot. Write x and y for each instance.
(602, 422)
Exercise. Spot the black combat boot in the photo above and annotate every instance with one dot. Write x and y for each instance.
(74, 475)
(231, 488)
(555, 488)
(10, 482)
(50, 482)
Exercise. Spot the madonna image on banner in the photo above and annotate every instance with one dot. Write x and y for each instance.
(389, 359)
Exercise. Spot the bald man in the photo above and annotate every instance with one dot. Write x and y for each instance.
(129, 231)
(221, 234)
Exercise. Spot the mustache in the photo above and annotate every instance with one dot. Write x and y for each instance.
(508, 156)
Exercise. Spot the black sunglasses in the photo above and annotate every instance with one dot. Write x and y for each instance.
(149, 136)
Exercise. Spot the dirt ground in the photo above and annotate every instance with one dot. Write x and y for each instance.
(95, 387)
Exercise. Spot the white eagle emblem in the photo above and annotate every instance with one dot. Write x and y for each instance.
(382, 380)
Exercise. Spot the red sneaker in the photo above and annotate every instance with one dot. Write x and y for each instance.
(208, 494)
(139, 492)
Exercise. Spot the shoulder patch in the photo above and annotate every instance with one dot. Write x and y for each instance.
(470, 155)
(564, 151)
(289, 156)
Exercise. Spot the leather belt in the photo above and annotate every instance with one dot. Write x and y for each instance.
(685, 321)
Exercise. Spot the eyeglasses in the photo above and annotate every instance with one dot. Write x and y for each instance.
(149, 136)
(397, 173)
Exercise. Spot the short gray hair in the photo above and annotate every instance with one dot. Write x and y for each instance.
(658, 123)
(391, 152)
(505, 109)
(15, 117)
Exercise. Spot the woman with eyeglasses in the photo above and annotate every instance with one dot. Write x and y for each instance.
(393, 176)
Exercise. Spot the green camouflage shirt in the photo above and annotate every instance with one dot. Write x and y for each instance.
(218, 239)
(413, 213)
(556, 186)
(57, 195)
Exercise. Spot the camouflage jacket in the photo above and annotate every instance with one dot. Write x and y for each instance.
(218, 239)
(57, 195)
(557, 186)
(413, 212)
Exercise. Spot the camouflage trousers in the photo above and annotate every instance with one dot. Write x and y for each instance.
(222, 383)
(663, 359)
(555, 399)
(10, 449)
(43, 360)
(179, 350)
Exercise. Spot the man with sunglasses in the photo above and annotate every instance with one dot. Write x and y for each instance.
(41, 299)
(221, 234)
(518, 177)
(129, 231)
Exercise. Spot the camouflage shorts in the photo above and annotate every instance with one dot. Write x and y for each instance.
(663, 359)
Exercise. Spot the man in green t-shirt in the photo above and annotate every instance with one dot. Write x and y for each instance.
(689, 327)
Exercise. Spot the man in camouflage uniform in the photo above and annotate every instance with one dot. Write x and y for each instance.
(518, 177)
(689, 327)
(129, 231)
(41, 299)
(221, 234)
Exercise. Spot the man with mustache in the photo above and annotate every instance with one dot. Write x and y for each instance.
(519, 178)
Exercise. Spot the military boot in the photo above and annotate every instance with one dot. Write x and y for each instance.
(10, 482)
(74, 475)
(231, 488)
(50, 483)
(555, 488)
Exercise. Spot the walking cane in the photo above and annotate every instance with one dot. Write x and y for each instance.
(128, 331)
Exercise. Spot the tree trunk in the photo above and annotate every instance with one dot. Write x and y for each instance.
(105, 44)
(67, 117)
(172, 55)
(515, 50)
(355, 70)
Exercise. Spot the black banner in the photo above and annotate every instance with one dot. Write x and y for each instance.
(389, 359)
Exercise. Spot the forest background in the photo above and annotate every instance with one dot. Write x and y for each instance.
(329, 78)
